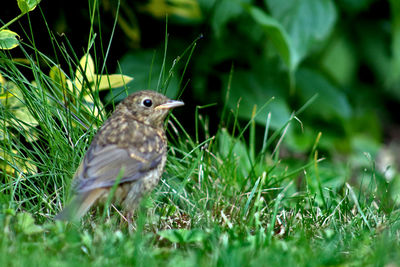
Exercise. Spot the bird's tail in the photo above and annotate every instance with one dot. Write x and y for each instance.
(79, 205)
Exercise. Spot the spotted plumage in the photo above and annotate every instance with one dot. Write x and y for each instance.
(131, 145)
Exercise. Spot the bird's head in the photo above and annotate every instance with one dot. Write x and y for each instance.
(148, 107)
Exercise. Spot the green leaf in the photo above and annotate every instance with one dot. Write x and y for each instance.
(26, 224)
(13, 163)
(87, 67)
(57, 75)
(8, 39)
(340, 60)
(13, 100)
(183, 236)
(27, 5)
(307, 22)
(277, 35)
(113, 81)
(331, 102)
(187, 10)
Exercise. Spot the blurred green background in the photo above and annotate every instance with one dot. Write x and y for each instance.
(343, 55)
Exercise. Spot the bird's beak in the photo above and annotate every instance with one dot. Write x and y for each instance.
(170, 104)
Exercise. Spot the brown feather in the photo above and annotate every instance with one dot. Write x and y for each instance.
(80, 204)
(133, 140)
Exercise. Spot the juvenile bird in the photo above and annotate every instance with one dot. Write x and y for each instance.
(131, 146)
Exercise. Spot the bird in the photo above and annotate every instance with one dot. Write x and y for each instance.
(129, 151)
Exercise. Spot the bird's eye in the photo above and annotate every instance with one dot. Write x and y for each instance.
(147, 102)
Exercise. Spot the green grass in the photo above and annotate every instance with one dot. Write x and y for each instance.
(225, 199)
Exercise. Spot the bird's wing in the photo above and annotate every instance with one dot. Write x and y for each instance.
(103, 164)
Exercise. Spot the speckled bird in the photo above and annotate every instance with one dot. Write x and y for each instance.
(131, 146)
